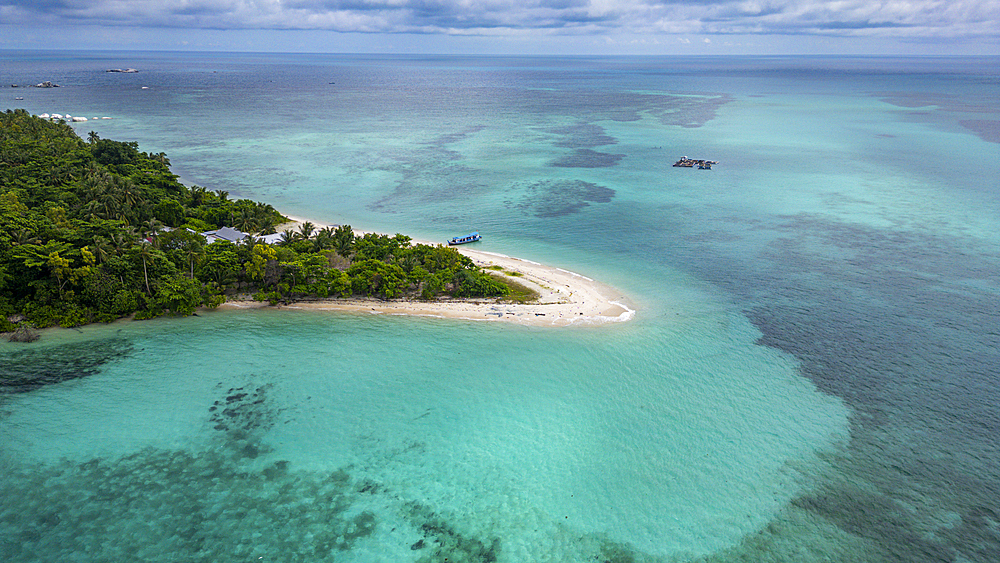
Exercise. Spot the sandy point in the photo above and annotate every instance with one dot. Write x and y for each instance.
(566, 298)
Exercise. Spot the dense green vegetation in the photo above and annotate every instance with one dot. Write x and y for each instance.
(96, 230)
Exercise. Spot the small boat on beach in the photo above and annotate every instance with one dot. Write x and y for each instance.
(465, 240)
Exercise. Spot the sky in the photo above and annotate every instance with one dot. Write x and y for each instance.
(514, 27)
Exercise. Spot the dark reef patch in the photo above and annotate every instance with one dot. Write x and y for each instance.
(691, 111)
(586, 158)
(446, 543)
(582, 136)
(158, 505)
(458, 136)
(432, 172)
(590, 106)
(556, 198)
(177, 505)
(233, 500)
(950, 107)
(28, 369)
(900, 324)
(987, 129)
(243, 411)
(216, 505)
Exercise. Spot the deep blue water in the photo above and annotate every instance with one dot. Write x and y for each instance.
(847, 242)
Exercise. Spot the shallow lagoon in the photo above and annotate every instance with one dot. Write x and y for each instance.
(550, 440)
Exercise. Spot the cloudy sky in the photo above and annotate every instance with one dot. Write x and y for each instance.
(509, 26)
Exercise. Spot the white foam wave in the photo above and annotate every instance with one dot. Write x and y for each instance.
(574, 274)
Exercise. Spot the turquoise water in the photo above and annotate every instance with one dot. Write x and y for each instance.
(810, 374)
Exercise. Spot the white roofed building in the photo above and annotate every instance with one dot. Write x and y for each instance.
(225, 233)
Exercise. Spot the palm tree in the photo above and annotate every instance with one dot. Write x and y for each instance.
(152, 226)
(198, 194)
(343, 240)
(222, 194)
(119, 241)
(92, 137)
(146, 253)
(149, 231)
(110, 204)
(161, 157)
(130, 196)
(247, 221)
(101, 249)
(288, 237)
(323, 240)
(91, 210)
(193, 253)
(306, 229)
(61, 174)
(24, 236)
(265, 217)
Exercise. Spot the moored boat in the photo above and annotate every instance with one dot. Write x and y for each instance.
(465, 240)
(701, 163)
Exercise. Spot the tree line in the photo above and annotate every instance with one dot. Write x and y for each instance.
(94, 230)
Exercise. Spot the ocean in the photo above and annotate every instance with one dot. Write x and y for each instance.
(811, 373)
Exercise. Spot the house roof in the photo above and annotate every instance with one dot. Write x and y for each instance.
(225, 233)
(270, 239)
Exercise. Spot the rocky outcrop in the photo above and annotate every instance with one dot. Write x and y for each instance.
(23, 333)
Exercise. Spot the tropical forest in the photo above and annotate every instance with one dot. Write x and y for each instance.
(93, 230)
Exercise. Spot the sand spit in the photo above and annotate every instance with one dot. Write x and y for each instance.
(566, 298)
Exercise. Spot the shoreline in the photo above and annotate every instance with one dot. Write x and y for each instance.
(565, 298)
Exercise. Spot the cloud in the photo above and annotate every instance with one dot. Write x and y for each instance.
(892, 18)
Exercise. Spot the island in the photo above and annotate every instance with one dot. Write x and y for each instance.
(96, 230)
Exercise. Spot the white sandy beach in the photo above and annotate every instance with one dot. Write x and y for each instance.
(566, 298)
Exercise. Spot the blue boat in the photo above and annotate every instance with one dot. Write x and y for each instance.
(464, 240)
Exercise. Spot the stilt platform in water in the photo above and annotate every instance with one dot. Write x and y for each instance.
(702, 164)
